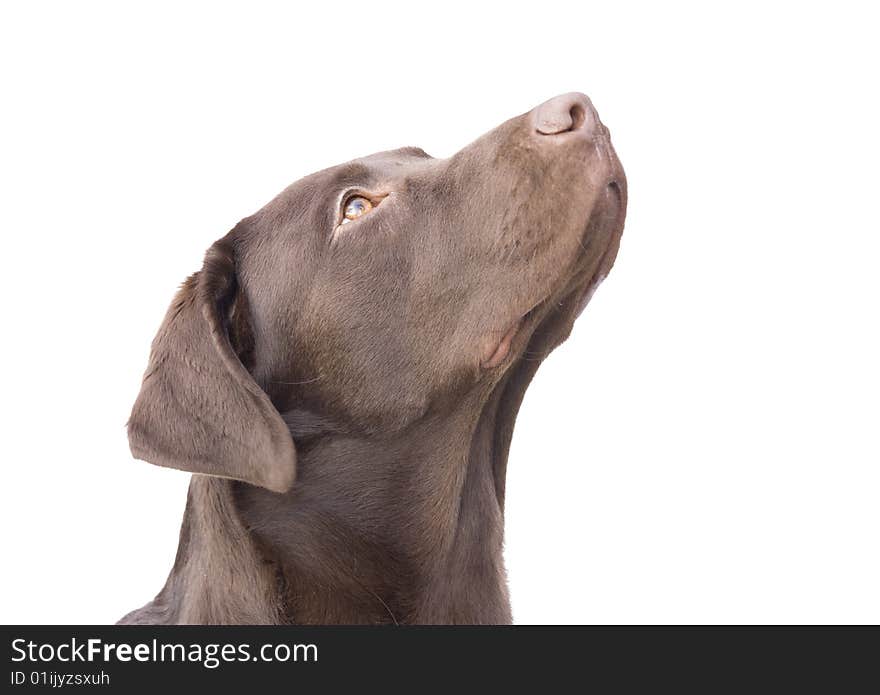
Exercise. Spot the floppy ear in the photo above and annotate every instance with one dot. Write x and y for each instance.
(199, 409)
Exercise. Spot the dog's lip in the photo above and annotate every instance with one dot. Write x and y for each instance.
(508, 346)
(521, 329)
(501, 349)
(509, 349)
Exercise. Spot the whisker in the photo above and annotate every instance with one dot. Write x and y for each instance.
(297, 383)
(378, 598)
(536, 355)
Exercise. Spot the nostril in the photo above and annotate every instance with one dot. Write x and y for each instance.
(578, 117)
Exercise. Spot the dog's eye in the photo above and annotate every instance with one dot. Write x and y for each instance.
(355, 207)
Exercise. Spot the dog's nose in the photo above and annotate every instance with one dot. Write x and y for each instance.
(564, 114)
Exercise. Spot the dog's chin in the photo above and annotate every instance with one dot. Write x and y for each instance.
(582, 296)
(604, 227)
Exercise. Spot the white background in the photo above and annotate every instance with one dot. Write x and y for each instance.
(703, 449)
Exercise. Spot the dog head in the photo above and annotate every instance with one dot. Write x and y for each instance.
(381, 290)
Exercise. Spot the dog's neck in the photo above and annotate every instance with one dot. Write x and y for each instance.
(401, 529)
(406, 529)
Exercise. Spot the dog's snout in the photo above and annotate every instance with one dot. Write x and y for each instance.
(564, 114)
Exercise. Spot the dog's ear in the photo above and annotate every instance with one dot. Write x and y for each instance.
(199, 409)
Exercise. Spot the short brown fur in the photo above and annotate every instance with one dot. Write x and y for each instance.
(328, 385)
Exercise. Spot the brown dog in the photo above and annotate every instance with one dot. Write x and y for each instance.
(344, 373)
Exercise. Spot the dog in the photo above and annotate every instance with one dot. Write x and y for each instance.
(343, 375)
